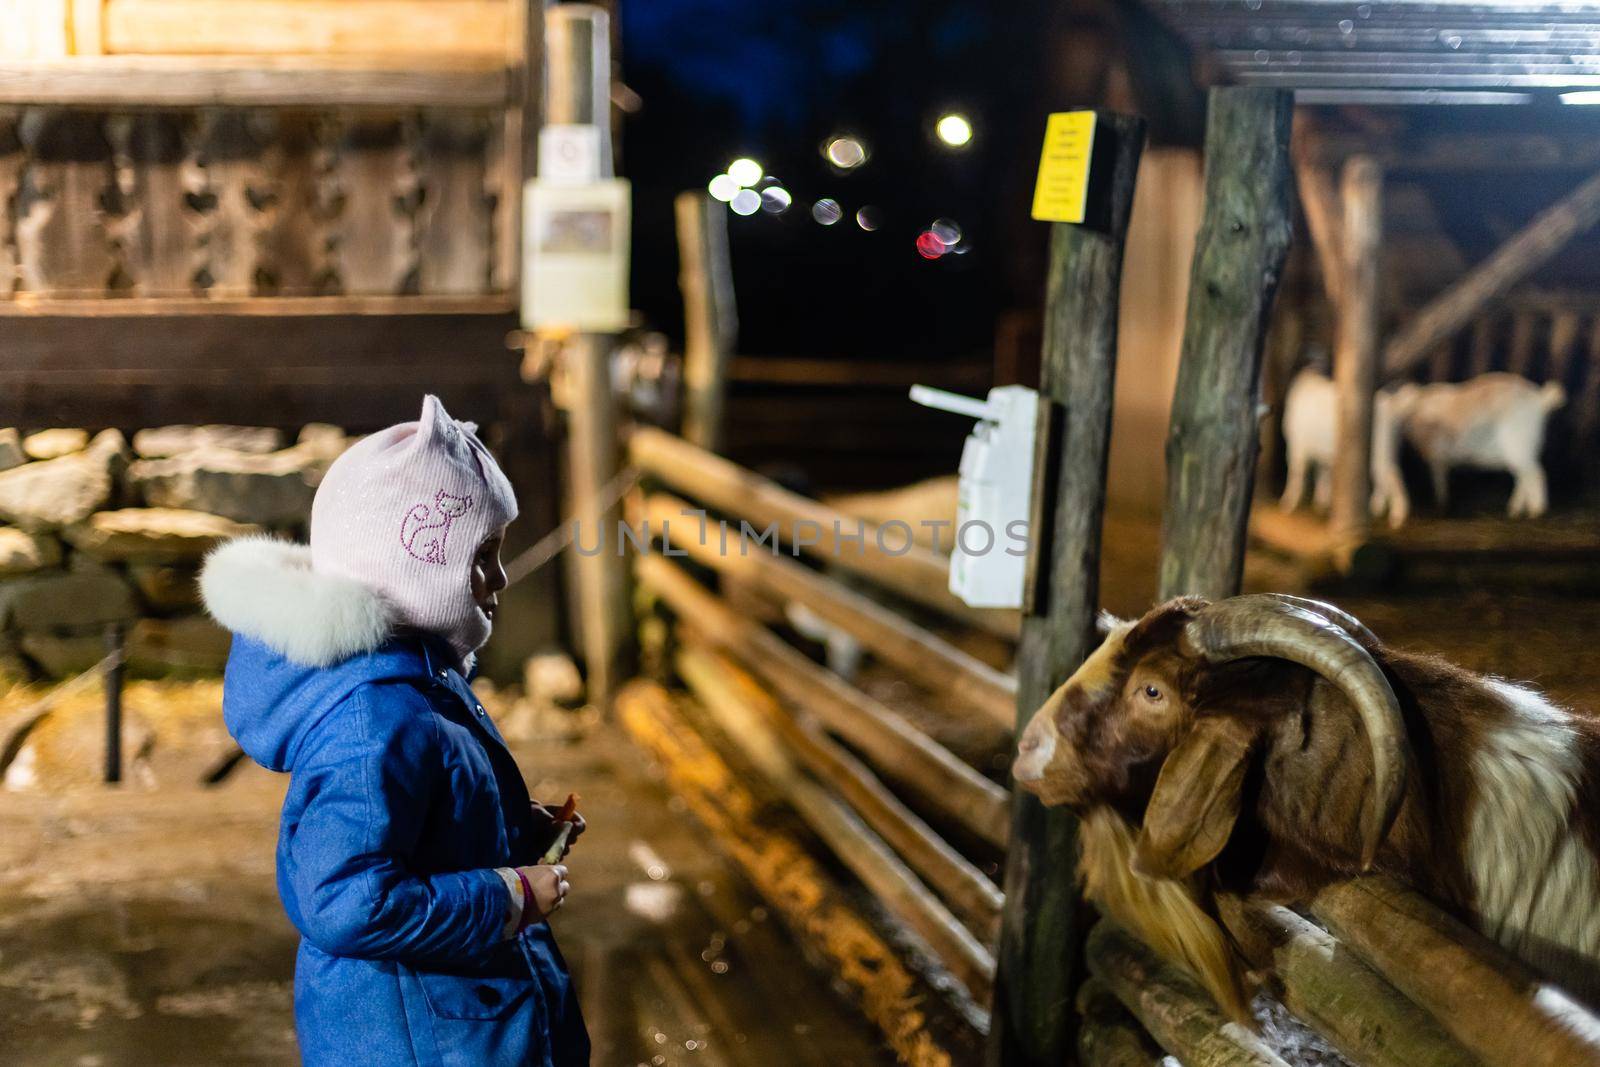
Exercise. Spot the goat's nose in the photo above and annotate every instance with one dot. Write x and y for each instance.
(1029, 743)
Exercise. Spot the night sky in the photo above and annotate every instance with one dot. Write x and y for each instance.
(720, 80)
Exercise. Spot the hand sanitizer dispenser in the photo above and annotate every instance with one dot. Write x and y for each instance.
(989, 561)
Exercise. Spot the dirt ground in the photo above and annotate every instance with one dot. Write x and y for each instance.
(140, 927)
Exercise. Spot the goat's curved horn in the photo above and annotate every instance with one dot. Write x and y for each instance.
(1305, 632)
(1338, 616)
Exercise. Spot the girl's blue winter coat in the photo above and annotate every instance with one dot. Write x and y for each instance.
(403, 799)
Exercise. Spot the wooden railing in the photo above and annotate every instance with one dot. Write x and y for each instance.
(1379, 973)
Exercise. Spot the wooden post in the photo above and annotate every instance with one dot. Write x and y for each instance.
(113, 681)
(1238, 259)
(710, 322)
(578, 58)
(1480, 357)
(1524, 332)
(1039, 963)
(1355, 357)
(1526, 250)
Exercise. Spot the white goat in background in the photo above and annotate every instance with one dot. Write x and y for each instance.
(1492, 422)
(1311, 434)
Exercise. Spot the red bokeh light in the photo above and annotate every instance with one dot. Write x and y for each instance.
(929, 246)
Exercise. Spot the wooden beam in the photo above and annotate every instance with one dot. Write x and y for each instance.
(884, 738)
(809, 900)
(1108, 1036)
(394, 28)
(259, 81)
(777, 745)
(845, 372)
(1041, 935)
(1180, 1015)
(927, 659)
(1319, 199)
(1490, 1002)
(1326, 986)
(1524, 252)
(711, 322)
(1356, 352)
(1238, 259)
(917, 574)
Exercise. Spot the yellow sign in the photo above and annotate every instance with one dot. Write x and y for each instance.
(1062, 191)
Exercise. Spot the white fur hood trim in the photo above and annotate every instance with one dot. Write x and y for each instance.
(266, 590)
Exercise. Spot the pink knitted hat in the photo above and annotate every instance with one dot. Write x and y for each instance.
(404, 511)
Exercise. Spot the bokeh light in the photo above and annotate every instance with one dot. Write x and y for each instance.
(745, 171)
(827, 211)
(747, 202)
(929, 246)
(845, 152)
(723, 188)
(946, 230)
(954, 129)
(868, 218)
(775, 199)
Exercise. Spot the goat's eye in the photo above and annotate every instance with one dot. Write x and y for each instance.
(1151, 693)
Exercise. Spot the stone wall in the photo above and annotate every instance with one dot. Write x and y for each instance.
(98, 530)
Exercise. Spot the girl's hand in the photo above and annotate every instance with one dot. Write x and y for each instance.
(550, 888)
(545, 827)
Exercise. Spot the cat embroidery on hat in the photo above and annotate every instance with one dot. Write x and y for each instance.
(425, 530)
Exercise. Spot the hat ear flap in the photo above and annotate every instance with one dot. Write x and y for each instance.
(1196, 799)
(434, 423)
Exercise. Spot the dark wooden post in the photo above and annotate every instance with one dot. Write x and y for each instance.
(578, 57)
(1238, 258)
(1039, 964)
(1356, 352)
(705, 275)
(113, 683)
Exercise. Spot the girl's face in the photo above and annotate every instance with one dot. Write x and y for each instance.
(488, 576)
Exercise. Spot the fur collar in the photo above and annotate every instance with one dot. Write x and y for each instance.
(265, 589)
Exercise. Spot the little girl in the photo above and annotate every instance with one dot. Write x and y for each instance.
(409, 851)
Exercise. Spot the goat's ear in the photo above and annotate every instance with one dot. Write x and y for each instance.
(1196, 799)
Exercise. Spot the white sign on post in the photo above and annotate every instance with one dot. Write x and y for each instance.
(575, 255)
(569, 154)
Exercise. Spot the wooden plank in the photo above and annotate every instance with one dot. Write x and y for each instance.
(1524, 336)
(809, 900)
(845, 372)
(63, 234)
(1108, 1035)
(884, 738)
(1171, 1005)
(929, 660)
(35, 29)
(1323, 983)
(162, 231)
(1586, 413)
(1524, 252)
(1357, 349)
(1042, 933)
(87, 27)
(1212, 444)
(455, 217)
(711, 322)
(752, 720)
(1490, 1002)
(12, 163)
(917, 574)
(375, 248)
(392, 28)
(1319, 199)
(1565, 326)
(229, 182)
(260, 81)
(29, 306)
(1480, 357)
(293, 244)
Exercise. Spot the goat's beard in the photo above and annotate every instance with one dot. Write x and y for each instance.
(1169, 916)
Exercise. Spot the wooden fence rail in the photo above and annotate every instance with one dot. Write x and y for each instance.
(911, 571)
(929, 659)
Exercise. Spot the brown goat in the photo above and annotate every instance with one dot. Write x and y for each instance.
(1268, 746)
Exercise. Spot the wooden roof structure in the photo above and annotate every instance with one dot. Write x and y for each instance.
(1403, 51)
